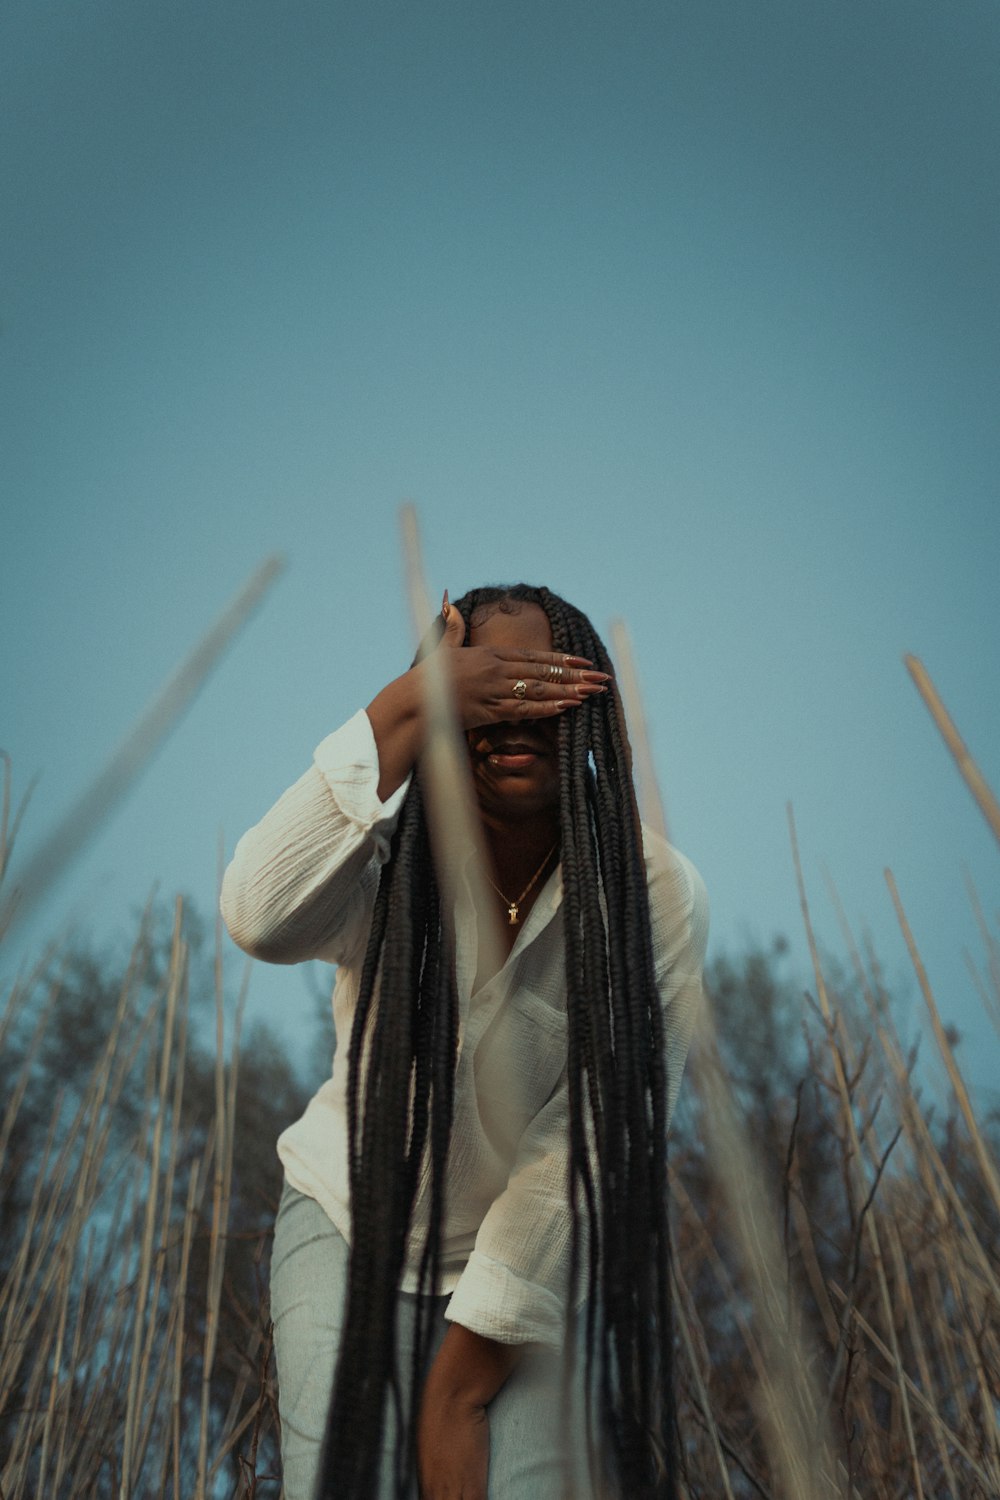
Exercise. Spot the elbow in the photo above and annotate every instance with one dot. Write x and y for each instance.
(245, 926)
(266, 948)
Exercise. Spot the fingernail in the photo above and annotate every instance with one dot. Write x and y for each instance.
(597, 676)
(579, 661)
(445, 606)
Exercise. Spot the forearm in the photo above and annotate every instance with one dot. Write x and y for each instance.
(469, 1369)
(396, 715)
(453, 1441)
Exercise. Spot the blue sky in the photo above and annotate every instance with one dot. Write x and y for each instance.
(690, 311)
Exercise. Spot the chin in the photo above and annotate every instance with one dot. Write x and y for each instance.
(517, 797)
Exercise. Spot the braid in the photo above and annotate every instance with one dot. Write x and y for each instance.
(400, 1105)
(616, 1062)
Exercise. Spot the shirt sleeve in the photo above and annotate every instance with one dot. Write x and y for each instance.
(515, 1284)
(301, 882)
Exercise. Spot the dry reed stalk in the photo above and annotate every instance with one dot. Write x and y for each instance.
(167, 1198)
(646, 782)
(971, 774)
(855, 1186)
(116, 1338)
(945, 1346)
(37, 1413)
(12, 1288)
(39, 1270)
(218, 1177)
(42, 1268)
(720, 1270)
(172, 1449)
(942, 1195)
(454, 824)
(20, 993)
(62, 1295)
(990, 1483)
(124, 766)
(951, 1253)
(990, 943)
(176, 1109)
(991, 1005)
(986, 1164)
(969, 1341)
(792, 1412)
(951, 1343)
(869, 1148)
(22, 990)
(34, 1273)
(24, 1075)
(234, 1424)
(913, 1323)
(78, 1439)
(228, 1167)
(810, 1263)
(924, 1154)
(225, 1114)
(74, 1364)
(685, 1316)
(164, 1366)
(798, 1440)
(139, 1363)
(8, 829)
(248, 1464)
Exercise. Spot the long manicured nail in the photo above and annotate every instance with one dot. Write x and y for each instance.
(445, 606)
(578, 661)
(597, 676)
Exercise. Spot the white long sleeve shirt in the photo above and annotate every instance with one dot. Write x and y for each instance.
(301, 885)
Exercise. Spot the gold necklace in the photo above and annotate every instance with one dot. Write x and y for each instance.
(512, 906)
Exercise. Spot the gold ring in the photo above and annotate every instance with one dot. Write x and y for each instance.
(555, 673)
(520, 688)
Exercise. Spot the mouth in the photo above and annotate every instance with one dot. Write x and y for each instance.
(514, 754)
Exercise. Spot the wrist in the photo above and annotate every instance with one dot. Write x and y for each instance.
(397, 719)
(400, 702)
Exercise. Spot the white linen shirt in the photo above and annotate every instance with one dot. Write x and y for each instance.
(301, 885)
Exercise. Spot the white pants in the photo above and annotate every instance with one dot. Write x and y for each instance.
(308, 1281)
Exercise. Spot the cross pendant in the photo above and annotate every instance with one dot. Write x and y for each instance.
(512, 917)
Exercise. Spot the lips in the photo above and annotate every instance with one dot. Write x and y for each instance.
(513, 754)
(516, 747)
(501, 760)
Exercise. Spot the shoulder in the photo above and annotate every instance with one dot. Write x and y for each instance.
(678, 900)
(670, 873)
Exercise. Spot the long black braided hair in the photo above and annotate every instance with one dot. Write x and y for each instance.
(400, 1091)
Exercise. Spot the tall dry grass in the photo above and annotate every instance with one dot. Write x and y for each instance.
(102, 1390)
(837, 1230)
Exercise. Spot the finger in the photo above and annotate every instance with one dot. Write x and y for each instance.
(542, 688)
(454, 625)
(561, 677)
(546, 702)
(555, 658)
(547, 666)
(524, 708)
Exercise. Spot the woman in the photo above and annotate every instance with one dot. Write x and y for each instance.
(489, 1156)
